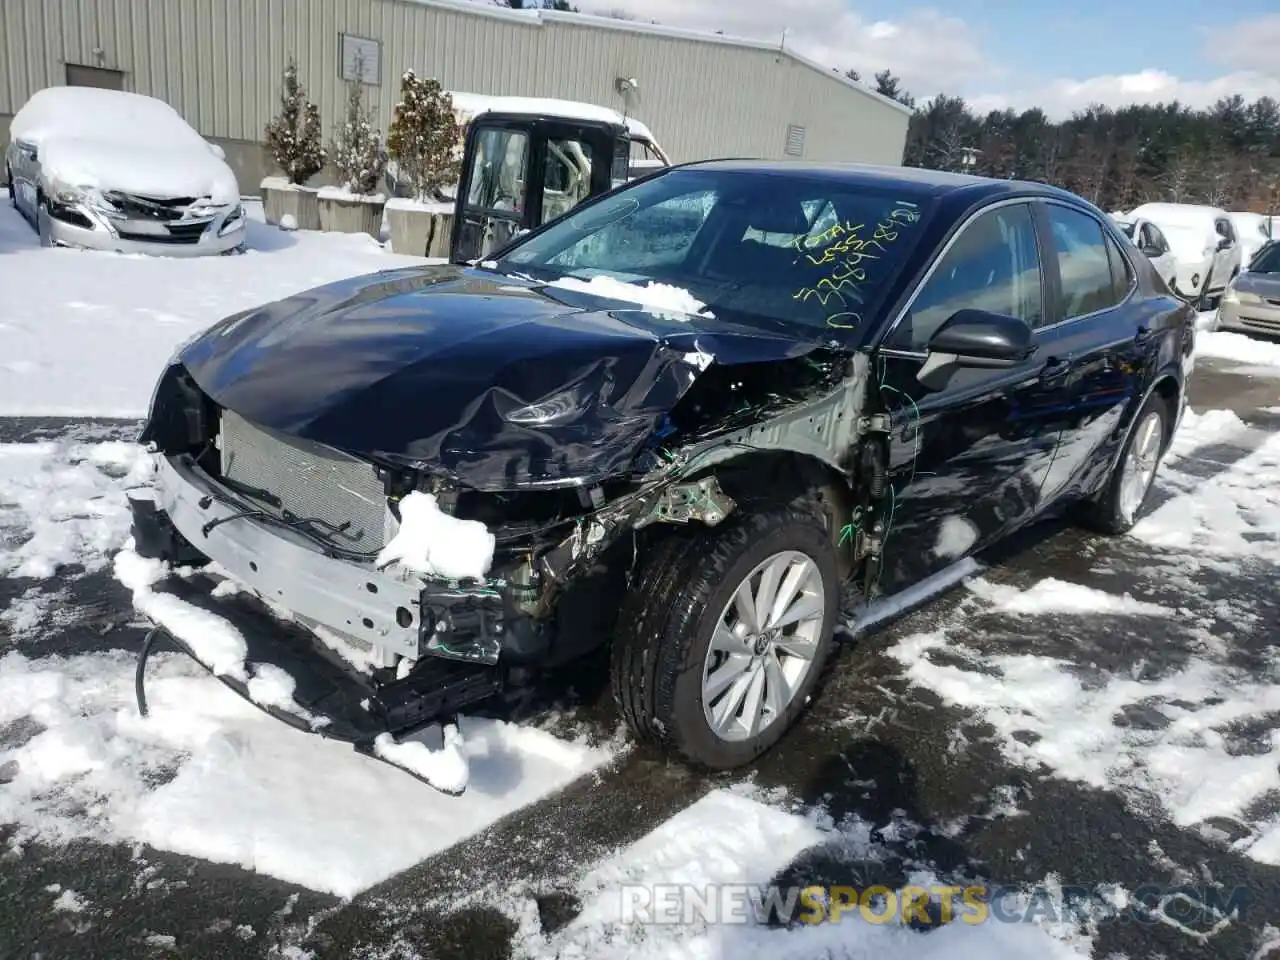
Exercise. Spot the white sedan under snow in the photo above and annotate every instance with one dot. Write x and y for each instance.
(120, 171)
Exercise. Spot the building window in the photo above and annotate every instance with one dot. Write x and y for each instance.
(80, 75)
(795, 140)
(360, 58)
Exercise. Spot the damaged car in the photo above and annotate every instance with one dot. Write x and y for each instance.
(108, 170)
(701, 420)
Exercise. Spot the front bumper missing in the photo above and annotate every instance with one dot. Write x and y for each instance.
(331, 698)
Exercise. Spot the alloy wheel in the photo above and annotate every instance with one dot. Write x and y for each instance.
(1140, 463)
(763, 646)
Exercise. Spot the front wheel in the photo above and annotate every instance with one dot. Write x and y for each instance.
(725, 634)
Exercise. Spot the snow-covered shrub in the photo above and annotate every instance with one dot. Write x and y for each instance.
(423, 135)
(357, 150)
(293, 135)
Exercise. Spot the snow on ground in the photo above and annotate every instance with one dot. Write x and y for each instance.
(85, 333)
(211, 776)
(206, 774)
(684, 891)
(1181, 740)
(1238, 347)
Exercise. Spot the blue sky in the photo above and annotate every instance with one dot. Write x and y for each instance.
(1019, 53)
(1085, 38)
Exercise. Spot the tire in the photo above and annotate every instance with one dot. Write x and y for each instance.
(662, 650)
(1117, 509)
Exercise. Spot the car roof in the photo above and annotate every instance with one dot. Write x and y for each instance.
(917, 181)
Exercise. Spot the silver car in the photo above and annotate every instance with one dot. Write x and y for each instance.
(1251, 302)
(119, 171)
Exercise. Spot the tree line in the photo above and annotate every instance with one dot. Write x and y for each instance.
(1227, 156)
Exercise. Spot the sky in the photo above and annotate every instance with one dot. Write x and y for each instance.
(1016, 53)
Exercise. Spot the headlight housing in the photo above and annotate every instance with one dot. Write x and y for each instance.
(85, 196)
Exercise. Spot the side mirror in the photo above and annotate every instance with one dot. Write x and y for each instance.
(1152, 252)
(1223, 243)
(979, 338)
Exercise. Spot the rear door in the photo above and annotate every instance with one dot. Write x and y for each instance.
(1099, 328)
(966, 459)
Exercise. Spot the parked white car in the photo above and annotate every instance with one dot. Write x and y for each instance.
(1148, 238)
(110, 170)
(1254, 230)
(1204, 242)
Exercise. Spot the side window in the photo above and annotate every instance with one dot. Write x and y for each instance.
(1083, 262)
(567, 178)
(497, 178)
(656, 235)
(1121, 273)
(1158, 238)
(993, 265)
(1148, 239)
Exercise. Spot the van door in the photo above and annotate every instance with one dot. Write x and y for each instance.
(492, 203)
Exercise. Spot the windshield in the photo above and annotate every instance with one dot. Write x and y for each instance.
(1267, 260)
(755, 247)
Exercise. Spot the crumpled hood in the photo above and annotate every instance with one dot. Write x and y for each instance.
(494, 380)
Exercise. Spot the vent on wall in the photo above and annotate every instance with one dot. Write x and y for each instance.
(795, 140)
(82, 75)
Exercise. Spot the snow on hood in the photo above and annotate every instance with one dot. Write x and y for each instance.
(662, 298)
(112, 140)
(1189, 242)
(149, 172)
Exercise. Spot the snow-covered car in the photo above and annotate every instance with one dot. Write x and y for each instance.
(1204, 242)
(110, 170)
(1146, 236)
(673, 428)
(1251, 302)
(1253, 229)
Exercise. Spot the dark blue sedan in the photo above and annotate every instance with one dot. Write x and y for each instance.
(681, 420)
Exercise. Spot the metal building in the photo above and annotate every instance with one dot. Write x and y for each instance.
(219, 63)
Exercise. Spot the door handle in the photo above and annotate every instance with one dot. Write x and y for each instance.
(1055, 367)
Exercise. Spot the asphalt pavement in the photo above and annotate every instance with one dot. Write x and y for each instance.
(871, 745)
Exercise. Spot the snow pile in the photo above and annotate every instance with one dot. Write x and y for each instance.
(62, 503)
(1052, 595)
(214, 641)
(1238, 347)
(63, 311)
(211, 776)
(659, 297)
(695, 877)
(433, 543)
(445, 769)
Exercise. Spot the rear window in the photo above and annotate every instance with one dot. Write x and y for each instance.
(757, 248)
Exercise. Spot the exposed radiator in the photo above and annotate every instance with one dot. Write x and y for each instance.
(309, 479)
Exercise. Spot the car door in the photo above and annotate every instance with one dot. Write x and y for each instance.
(493, 198)
(1100, 329)
(24, 167)
(967, 455)
(1225, 260)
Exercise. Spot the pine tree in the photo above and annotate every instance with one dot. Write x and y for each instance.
(423, 136)
(293, 135)
(357, 150)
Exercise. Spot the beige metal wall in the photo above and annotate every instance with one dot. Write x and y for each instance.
(219, 62)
